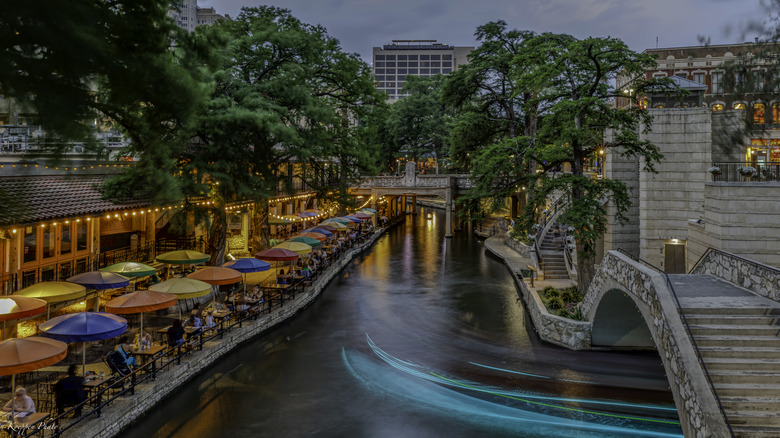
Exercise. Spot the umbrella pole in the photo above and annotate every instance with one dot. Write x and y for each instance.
(4, 330)
(141, 333)
(13, 397)
(83, 358)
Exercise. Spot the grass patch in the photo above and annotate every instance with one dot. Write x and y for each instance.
(563, 302)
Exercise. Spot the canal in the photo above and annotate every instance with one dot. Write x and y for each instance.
(422, 336)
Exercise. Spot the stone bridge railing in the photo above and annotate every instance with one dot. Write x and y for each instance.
(696, 403)
(762, 279)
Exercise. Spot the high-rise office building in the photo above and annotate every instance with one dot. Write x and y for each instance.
(393, 62)
(189, 15)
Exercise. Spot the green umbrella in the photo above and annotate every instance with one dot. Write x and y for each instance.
(183, 257)
(338, 219)
(307, 240)
(130, 269)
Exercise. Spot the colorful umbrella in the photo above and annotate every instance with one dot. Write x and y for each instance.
(247, 264)
(342, 220)
(314, 235)
(298, 247)
(368, 209)
(139, 302)
(84, 327)
(130, 269)
(183, 257)
(276, 254)
(315, 211)
(20, 355)
(352, 219)
(54, 291)
(182, 287)
(333, 224)
(306, 240)
(14, 307)
(321, 230)
(361, 216)
(100, 280)
(216, 275)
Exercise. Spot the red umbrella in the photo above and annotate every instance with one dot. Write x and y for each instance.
(327, 227)
(216, 275)
(18, 307)
(361, 216)
(277, 255)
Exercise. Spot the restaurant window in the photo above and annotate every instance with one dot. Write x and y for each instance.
(717, 107)
(30, 244)
(776, 113)
(66, 240)
(48, 241)
(699, 77)
(739, 106)
(717, 82)
(81, 236)
(758, 113)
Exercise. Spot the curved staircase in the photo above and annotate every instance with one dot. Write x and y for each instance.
(551, 248)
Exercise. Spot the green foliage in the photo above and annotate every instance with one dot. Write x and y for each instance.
(563, 302)
(72, 63)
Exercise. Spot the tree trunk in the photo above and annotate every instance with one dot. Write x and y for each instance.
(260, 228)
(585, 270)
(218, 236)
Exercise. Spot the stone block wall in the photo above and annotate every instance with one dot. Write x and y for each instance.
(699, 413)
(626, 235)
(669, 198)
(762, 279)
(740, 218)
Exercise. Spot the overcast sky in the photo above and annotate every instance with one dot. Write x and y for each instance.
(363, 24)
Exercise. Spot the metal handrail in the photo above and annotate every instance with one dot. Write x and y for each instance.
(690, 333)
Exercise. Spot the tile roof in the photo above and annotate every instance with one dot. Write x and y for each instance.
(31, 199)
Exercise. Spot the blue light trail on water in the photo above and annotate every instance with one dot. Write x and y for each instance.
(541, 414)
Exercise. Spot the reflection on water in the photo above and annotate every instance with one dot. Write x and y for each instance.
(420, 337)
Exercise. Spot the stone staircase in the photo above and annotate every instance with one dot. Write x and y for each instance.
(553, 259)
(741, 348)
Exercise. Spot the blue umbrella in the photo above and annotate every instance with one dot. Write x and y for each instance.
(84, 327)
(246, 265)
(321, 231)
(351, 218)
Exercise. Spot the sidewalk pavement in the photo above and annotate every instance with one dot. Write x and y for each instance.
(517, 263)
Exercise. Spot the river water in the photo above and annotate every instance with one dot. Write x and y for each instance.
(422, 336)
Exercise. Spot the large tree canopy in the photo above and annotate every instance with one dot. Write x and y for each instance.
(72, 63)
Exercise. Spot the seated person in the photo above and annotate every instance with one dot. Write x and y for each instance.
(22, 403)
(146, 339)
(69, 391)
(125, 349)
(281, 278)
(208, 321)
(218, 307)
(196, 311)
(193, 322)
(176, 334)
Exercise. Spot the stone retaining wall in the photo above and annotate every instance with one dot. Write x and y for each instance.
(762, 279)
(123, 411)
(698, 410)
(554, 329)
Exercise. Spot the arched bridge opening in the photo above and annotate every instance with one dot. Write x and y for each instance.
(618, 323)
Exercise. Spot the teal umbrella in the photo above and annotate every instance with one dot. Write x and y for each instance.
(307, 240)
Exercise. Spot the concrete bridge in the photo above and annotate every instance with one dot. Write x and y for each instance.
(411, 184)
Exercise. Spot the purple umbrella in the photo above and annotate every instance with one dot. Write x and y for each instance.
(84, 327)
(321, 231)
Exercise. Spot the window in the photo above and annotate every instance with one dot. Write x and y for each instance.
(380, 57)
(412, 58)
(446, 64)
(776, 113)
(717, 82)
(401, 71)
(425, 64)
(436, 64)
(390, 71)
(81, 236)
(446, 70)
(758, 81)
(379, 64)
(435, 71)
(401, 77)
(30, 244)
(758, 113)
(425, 57)
(412, 71)
(739, 106)
(48, 241)
(446, 57)
(414, 64)
(65, 239)
(717, 107)
(390, 64)
(390, 57)
(402, 64)
(379, 71)
(435, 57)
(425, 71)
(699, 77)
(401, 57)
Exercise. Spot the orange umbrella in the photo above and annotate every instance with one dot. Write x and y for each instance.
(18, 307)
(20, 355)
(216, 275)
(139, 302)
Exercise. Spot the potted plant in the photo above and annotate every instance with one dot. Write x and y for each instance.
(746, 171)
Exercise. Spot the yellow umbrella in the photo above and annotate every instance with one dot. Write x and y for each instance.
(53, 292)
(300, 248)
(183, 288)
(335, 224)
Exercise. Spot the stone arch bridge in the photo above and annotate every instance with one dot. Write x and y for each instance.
(714, 329)
(411, 184)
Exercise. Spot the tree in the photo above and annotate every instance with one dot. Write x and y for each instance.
(419, 123)
(283, 93)
(491, 116)
(75, 62)
(573, 84)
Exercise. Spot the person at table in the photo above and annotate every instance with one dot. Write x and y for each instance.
(281, 278)
(208, 321)
(218, 307)
(69, 391)
(176, 334)
(194, 322)
(196, 311)
(22, 403)
(126, 349)
(146, 339)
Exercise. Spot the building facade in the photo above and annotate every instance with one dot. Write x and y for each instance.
(393, 62)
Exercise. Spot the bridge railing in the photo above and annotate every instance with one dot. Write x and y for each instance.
(738, 269)
(690, 333)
